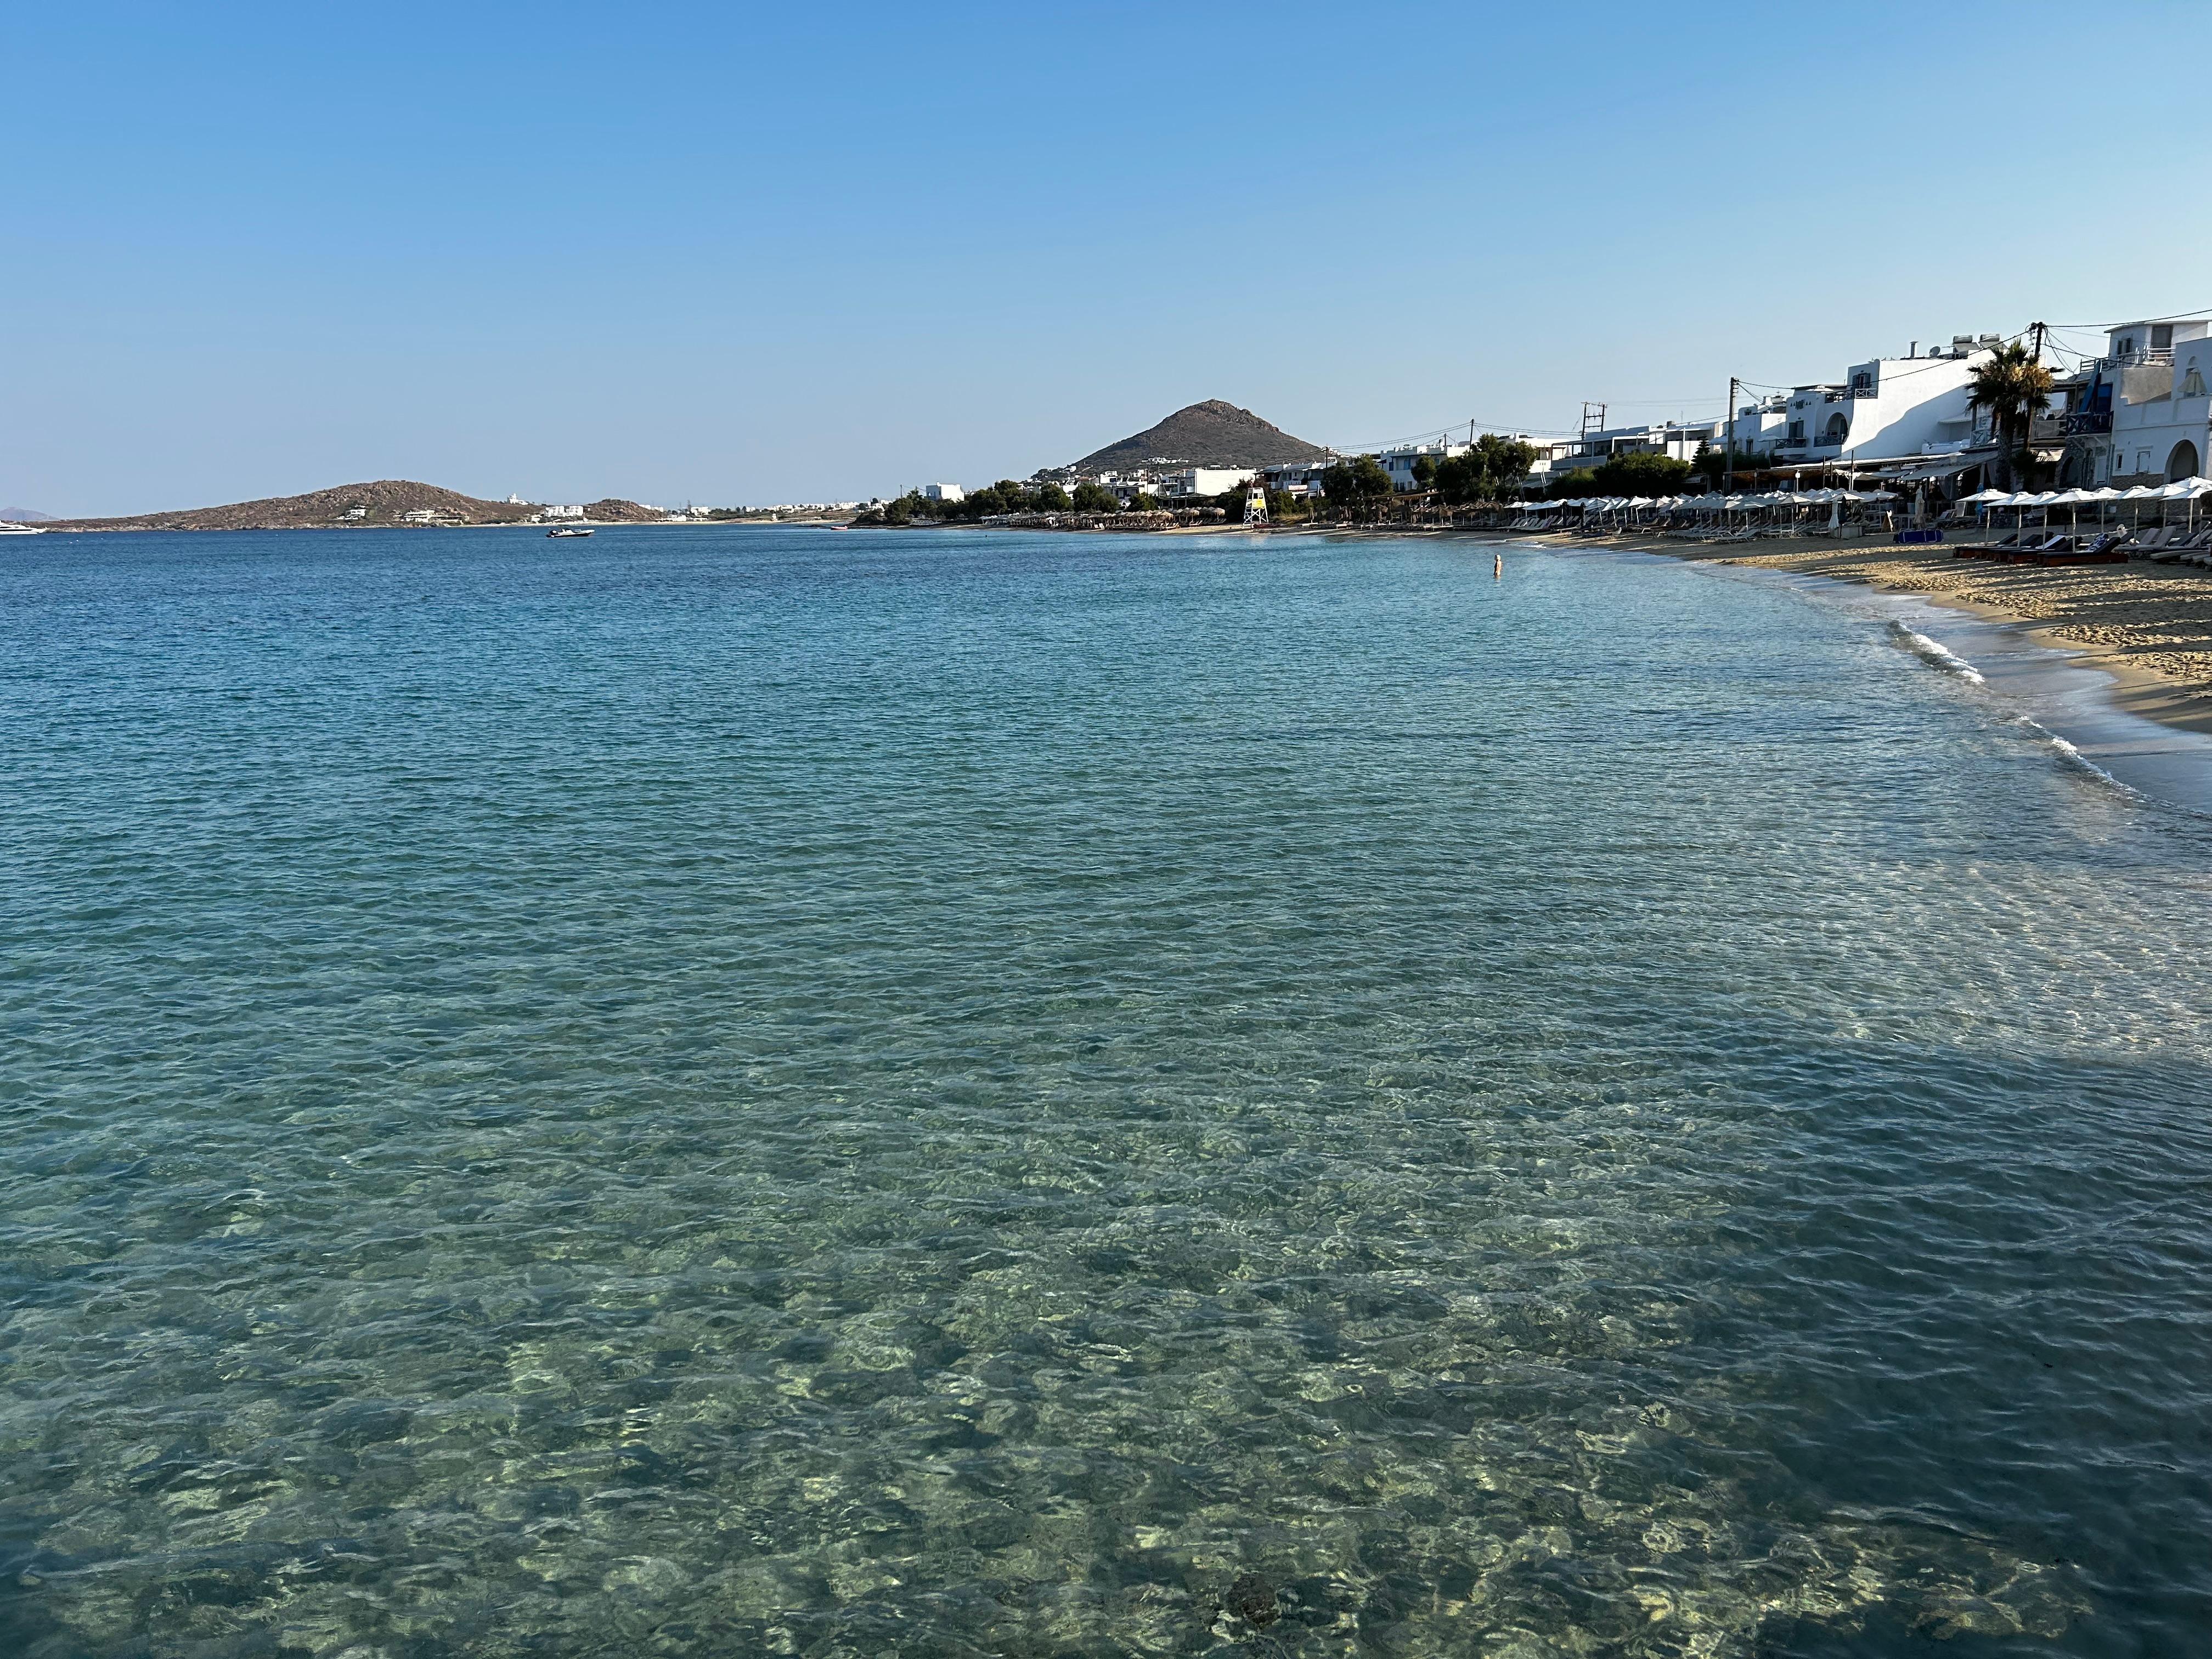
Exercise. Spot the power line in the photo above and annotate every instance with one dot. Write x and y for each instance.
(2173, 317)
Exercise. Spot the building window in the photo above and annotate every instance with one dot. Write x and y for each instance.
(2192, 384)
(2127, 345)
(2161, 337)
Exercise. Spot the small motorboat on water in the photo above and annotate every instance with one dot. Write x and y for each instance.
(569, 529)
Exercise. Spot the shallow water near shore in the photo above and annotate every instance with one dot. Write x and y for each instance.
(731, 1090)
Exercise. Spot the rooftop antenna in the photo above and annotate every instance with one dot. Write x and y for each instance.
(1593, 418)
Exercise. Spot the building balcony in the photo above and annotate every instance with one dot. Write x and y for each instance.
(2084, 423)
(2162, 357)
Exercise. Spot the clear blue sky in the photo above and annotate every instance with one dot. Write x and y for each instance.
(731, 254)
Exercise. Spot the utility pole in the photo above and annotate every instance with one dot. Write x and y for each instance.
(1728, 463)
(2039, 343)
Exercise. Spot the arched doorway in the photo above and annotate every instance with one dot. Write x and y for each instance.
(2182, 463)
(1839, 429)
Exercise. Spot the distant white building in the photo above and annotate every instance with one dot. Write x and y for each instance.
(942, 492)
(1677, 439)
(1398, 461)
(1190, 481)
(1297, 479)
(575, 512)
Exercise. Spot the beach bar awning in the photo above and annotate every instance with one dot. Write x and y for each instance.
(1940, 466)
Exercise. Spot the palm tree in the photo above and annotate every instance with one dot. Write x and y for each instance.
(2013, 385)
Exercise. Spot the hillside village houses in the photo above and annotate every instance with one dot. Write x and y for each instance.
(2139, 414)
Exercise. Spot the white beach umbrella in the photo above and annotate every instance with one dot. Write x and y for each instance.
(2187, 489)
(2072, 501)
(1985, 498)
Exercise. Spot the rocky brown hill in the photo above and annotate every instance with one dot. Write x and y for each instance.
(614, 510)
(386, 501)
(1211, 433)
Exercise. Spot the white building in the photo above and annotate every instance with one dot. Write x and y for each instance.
(1205, 480)
(573, 512)
(1297, 479)
(942, 492)
(2145, 412)
(1398, 461)
(1758, 427)
(1680, 439)
(1890, 409)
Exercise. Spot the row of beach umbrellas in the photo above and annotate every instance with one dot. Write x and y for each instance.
(1713, 503)
(2184, 489)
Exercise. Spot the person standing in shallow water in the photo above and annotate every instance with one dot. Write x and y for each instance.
(1498, 566)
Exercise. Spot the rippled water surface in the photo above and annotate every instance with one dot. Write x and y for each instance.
(716, 1092)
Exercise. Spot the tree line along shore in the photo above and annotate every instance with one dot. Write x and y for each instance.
(1355, 490)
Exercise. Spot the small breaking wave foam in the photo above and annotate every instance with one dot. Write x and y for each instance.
(2073, 759)
(1936, 655)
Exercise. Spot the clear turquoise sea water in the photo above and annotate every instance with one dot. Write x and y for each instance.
(716, 1092)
